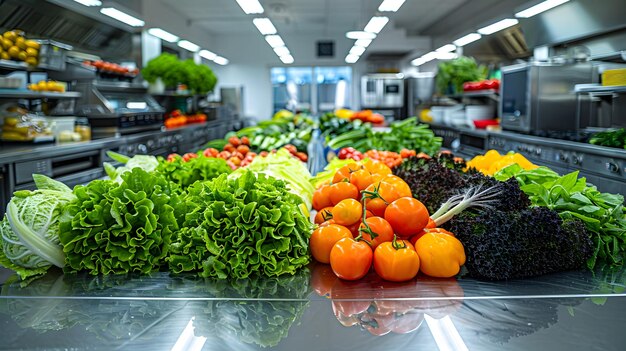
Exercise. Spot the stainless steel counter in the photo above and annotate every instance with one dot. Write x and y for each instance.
(313, 310)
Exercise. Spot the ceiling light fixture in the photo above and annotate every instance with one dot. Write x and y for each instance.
(221, 60)
(376, 24)
(161, 34)
(363, 42)
(357, 50)
(281, 51)
(498, 26)
(390, 5)
(447, 48)
(287, 59)
(208, 54)
(359, 34)
(122, 17)
(432, 56)
(274, 41)
(352, 58)
(250, 6)
(89, 2)
(539, 8)
(187, 45)
(470, 38)
(264, 25)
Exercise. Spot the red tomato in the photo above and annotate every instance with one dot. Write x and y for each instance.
(172, 157)
(396, 261)
(188, 156)
(324, 238)
(234, 141)
(347, 212)
(407, 216)
(351, 259)
(380, 227)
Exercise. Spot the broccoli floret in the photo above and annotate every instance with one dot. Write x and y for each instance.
(517, 244)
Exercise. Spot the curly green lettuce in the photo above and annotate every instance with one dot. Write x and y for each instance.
(234, 228)
(120, 228)
(184, 173)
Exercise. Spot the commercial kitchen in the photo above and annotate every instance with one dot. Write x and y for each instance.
(172, 173)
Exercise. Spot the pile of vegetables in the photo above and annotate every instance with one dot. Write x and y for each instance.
(276, 133)
(199, 78)
(603, 214)
(406, 134)
(331, 125)
(368, 218)
(157, 215)
(452, 74)
(611, 138)
(512, 239)
(491, 162)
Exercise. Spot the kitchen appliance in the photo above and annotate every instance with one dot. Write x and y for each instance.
(383, 93)
(538, 96)
(118, 108)
(233, 98)
(419, 90)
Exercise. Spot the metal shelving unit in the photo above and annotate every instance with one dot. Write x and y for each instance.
(25, 94)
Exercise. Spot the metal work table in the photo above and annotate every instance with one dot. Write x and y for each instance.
(313, 310)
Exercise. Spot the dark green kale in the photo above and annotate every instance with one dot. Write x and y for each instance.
(517, 244)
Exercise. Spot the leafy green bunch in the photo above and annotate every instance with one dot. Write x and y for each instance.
(119, 228)
(234, 228)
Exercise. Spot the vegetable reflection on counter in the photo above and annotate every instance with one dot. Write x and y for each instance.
(245, 315)
(236, 313)
(389, 307)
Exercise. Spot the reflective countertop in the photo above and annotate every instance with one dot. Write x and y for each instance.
(314, 310)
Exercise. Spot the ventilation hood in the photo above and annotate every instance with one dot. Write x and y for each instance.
(42, 19)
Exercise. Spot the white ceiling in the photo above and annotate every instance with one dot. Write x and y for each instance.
(329, 18)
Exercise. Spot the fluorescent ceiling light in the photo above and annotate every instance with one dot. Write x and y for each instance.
(161, 34)
(208, 54)
(187, 45)
(288, 59)
(274, 41)
(539, 8)
(359, 34)
(446, 55)
(221, 60)
(447, 48)
(376, 24)
(122, 17)
(352, 58)
(390, 5)
(250, 6)
(281, 51)
(498, 26)
(357, 50)
(363, 42)
(439, 55)
(470, 38)
(264, 25)
(89, 2)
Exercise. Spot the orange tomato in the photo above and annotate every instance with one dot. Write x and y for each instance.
(347, 212)
(441, 255)
(361, 179)
(323, 215)
(344, 172)
(341, 191)
(396, 261)
(351, 259)
(376, 167)
(380, 227)
(321, 197)
(378, 196)
(323, 240)
(401, 186)
(407, 216)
